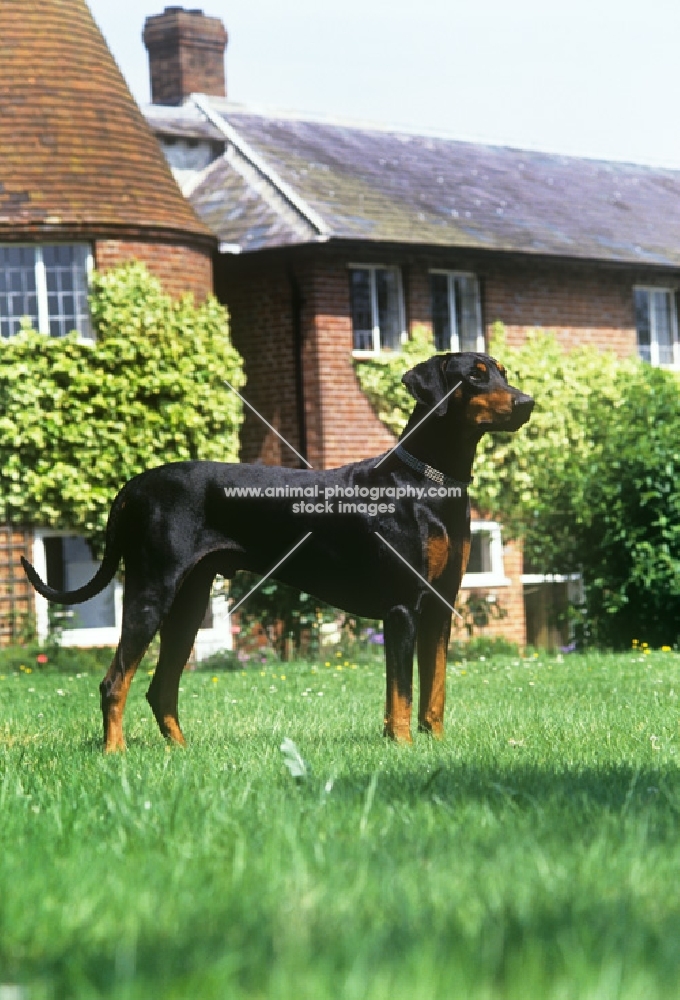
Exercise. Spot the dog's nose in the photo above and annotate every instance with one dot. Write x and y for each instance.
(523, 402)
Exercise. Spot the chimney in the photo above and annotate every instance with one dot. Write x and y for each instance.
(186, 55)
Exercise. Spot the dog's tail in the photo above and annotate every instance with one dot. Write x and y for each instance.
(103, 576)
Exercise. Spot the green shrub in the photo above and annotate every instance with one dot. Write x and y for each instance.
(78, 419)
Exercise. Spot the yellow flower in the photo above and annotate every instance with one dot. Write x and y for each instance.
(214, 680)
(635, 643)
(665, 649)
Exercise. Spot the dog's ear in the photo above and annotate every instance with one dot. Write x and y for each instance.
(427, 383)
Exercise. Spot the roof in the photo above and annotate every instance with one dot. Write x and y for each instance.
(288, 179)
(76, 153)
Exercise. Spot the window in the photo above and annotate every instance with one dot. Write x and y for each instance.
(66, 562)
(68, 565)
(47, 285)
(485, 564)
(656, 325)
(377, 309)
(456, 311)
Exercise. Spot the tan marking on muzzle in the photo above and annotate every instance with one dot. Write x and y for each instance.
(491, 405)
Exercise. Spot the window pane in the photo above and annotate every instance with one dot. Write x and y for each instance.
(70, 561)
(467, 313)
(441, 315)
(66, 277)
(642, 324)
(661, 325)
(362, 312)
(480, 552)
(389, 311)
(17, 289)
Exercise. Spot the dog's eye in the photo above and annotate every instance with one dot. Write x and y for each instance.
(478, 376)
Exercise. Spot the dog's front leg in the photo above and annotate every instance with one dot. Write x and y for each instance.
(400, 637)
(434, 629)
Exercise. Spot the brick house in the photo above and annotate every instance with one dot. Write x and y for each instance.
(83, 184)
(339, 240)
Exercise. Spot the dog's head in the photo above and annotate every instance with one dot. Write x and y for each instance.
(474, 387)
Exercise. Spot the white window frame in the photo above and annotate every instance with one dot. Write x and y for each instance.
(496, 576)
(208, 640)
(654, 341)
(41, 280)
(373, 268)
(455, 336)
(105, 636)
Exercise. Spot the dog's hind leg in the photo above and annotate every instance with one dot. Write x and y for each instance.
(434, 628)
(141, 618)
(178, 633)
(400, 634)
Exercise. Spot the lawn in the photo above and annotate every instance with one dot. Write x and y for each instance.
(533, 853)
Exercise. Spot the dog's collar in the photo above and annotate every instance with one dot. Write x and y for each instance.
(429, 470)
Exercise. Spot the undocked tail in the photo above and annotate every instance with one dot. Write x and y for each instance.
(102, 577)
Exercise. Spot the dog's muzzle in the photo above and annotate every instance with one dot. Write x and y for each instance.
(522, 405)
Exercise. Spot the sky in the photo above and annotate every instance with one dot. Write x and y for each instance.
(597, 78)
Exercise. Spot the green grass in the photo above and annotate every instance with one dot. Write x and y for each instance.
(533, 853)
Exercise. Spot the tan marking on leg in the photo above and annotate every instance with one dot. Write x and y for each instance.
(162, 696)
(438, 548)
(171, 730)
(113, 703)
(432, 670)
(398, 718)
(434, 628)
(397, 713)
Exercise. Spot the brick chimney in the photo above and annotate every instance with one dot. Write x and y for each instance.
(186, 55)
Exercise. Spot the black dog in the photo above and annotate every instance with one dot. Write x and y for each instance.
(385, 538)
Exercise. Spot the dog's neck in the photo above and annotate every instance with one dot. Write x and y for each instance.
(453, 458)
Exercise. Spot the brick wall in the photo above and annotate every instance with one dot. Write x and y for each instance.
(180, 268)
(592, 306)
(510, 598)
(16, 594)
(263, 301)
(260, 298)
(582, 304)
(351, 430)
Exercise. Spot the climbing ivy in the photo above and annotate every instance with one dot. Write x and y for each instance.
(78, 418)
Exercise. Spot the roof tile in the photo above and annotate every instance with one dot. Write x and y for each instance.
(381, 185)
(75, 150)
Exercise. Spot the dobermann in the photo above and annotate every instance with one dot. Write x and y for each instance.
(392, 542)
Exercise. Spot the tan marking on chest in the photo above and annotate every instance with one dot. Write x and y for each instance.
(438, 548)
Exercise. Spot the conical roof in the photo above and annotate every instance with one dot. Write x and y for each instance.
(76, 154)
